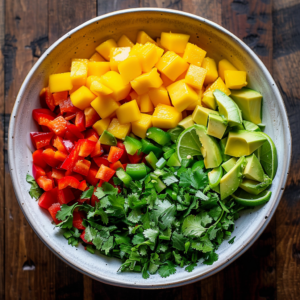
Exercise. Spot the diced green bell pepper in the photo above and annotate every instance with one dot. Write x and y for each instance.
(158, 135)
(132, 145)
(159, 185)
(147, 147)
(161, 163)
(148, 169)
(187, 162)
(169, 153)
(123, 176)
(136, 171)
(173, 161)
(151, 160)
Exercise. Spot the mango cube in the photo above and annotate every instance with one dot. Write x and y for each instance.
(114, 81)
(166, 80)
(149, 54)
(235, 79)
(128, 112)
(172, 65)
(79, 70)
(140, 127)
(96, 57)
(209, 101)
(143, 38)
(159, 96)
(99, 89)
(200, 115)
(90, 79)
(224, 65)
(194, 54)
(174, 41)
(182, 95)
(166, 116)
(144, 82)
(135, 50)
(105, 106)
(124, 41)
(120, 131)
(82, 97)
(146, 104)
(74, 88)
(193, 105)
(212, 74)
(105, 47)
(101, 125)
(195, 76)
(133, 95)
(130, 68)
(118, 55)
(60, 82)
(97, 68)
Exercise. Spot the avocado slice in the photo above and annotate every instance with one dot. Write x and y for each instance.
(214, 176)
(232, 180)
(257, 153)
(132, 145)
(253, 169)
(222, 144)
(210, 148)
(229, 164)
(107, 138)
(228, 108)
(200, 115)
(187, 122)
(216, 126)
(243, 142)
(250, 126)
(255, 187)
(249, 102)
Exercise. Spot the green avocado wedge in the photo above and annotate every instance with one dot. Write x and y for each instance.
(253, 169)
(247, 199)
(107, 138)
(255, 187)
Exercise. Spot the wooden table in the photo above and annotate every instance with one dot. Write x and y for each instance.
(269, 270)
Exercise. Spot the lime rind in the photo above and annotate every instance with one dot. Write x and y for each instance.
(247, 199)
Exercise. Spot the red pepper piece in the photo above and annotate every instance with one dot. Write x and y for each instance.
(59, 97)
(58, 143)
(77, 176)
(70, 136)
(53, 209)
(101, 161)
(48, 198)
(65, 196)
(86, 147)
(68, 181)
(67, 106)
(78, 217)
(45, 128)
(49, 158)
(37, 171)
(69, 116)
(43, 98)
(106, 148)
(41, 139)
(92, 135)
(74, 130)
(91, 116)
(61, 156)
(116, 165)
(136, 158)
(70, 161)
(105, 173)
(115, 154)
(43, 116)
(91, 176)
(57, 174)
(49, 99)
(82, 186)
(94, 199)
(80, 120)
(58, 126)
(124, 159)
(37, 157)
(98, 151)
(82, 167)
(68, 145)
(82, 237)
(45, 183)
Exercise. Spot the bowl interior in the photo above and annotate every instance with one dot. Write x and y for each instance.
(81, 43)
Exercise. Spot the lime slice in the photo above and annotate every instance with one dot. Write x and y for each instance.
(247, 199)
(268, 157)
(188, 144)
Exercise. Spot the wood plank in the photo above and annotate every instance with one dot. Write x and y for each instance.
(105, 6)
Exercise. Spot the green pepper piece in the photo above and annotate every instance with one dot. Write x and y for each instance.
(161, 163)
(136, 171)
(151, 160)
(166, 148)
(175, 132)
(148, 169)
(147, 147)
(187, 162)
(159, 185)
(158, 135)
(132, 145)
(172, 194)
(123, 176)
(168, 153)
(173, 161)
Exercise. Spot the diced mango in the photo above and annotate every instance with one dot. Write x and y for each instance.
(174, 41)
(195, 76)
(166, 80)
(209, 101)
(99, 89)
(96, 57)
(194, 54)
(224, 65)
(128, 112)
(135, 50)
(118, 55)
(172, 65)
(182, 76)
(79, 70)
(105, 106)
(143, 38)
(212, 74)
(140, 127)
(114, 81)
(101, 125)
(166, 116)
(193, 105)
(74, 88)
(98, 68)
(146, 104)
(90, 79)
(182, 95)
(105, 47)
(120, 131)
(133, 95)
(200, 115)
(158, 42)
(235, 79)
(159, 96)
(60, 82)
(124, 41)
(82, 98)
(143, 83)
(130, 68)
(149, 54)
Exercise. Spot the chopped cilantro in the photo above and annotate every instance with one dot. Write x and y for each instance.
(35, 191)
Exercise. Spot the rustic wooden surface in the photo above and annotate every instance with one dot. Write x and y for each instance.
(269, 270)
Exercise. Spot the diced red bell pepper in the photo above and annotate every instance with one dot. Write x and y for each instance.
(58, 126)
(82, 237)
(57, 174)
(45, 111)
(82, 167)
(45, 183)
(77, 176)
(49, 147)
(86, 147)
(82, 186)
(98, 151)
(78, 217)
(65, 196)
(59, 97)
(58, 143)
(106, 148)
(91, 176)
(91, 116)
(94, 199)
(74, 130)
(115, 154)
(43, 116)
(92, 135)
(124, 159)
(49, 99)
(70, 136)
(49, 158)
(105, 173)
(100, 183)
(37, 171)
(48, 198)
(45, 128)
(41, 139)
(67, 106)
(101, 161)
(53, 209)
(68, 145)
(70, 161)
(69, 116)
(135, 158)
(116, 165)
(80, 120)
(43, 98)
(68, 181)
(61, 156)
(37, 157)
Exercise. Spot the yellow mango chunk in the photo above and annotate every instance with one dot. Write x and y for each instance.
(133, 95)
(130, 68)
(120, 131)
(124, 41)
(174, 41)
(140, 127)
(146, 104)
(101, 125)
(114, 81)
(118, 55)
(172, 65)
(135, 50)
(159, 96)
(166, 116)
(60, 82)
(105, 106)
(209, 100)
(166, 80)
(143, 83)
(182, 95)
(193, 105)
(235, 79)
(79, 71)
(99, 89)
(96, 57)
(105, 47)
(128, 112)
(224, 65)
(195, 76)
(158, 42)
(194, 54)
(143, 38)
(82, 98)
(74, 88)
(200, 115)
(90, 79)
(149, 54)
(182, 76)
(97, 68)
(212, 74)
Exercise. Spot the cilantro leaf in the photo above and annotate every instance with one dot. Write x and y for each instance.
(211, 258)
(178, 241)
(167, 217)
(134, 201)
(167, 269)
(169, 178)
(65, 214)
(145, 271)
(107, 245)
(191, 226)
(88, 193)
(35, 191)
(138, 239)
(90, 233)
(99, 193)
(122, 239)
(231, 241)
(151, 234)
(191, 267)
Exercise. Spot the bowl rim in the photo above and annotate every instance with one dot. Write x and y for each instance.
(250, 240)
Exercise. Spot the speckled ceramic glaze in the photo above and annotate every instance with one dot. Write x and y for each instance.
(81, 42)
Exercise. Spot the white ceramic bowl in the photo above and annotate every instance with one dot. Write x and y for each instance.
(81, 42)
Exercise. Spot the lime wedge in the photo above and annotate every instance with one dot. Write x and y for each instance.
(247, 199)
(188, 143)
(268, 157)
